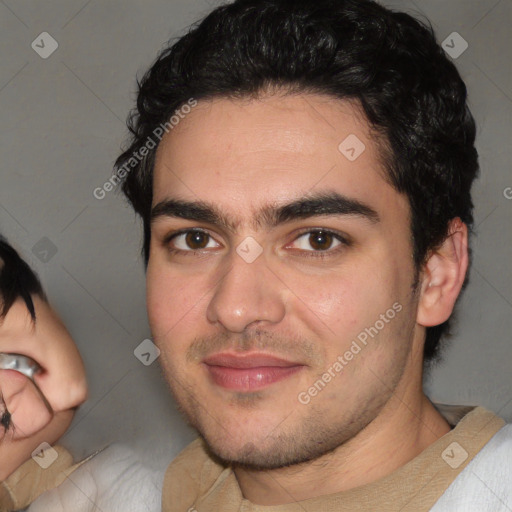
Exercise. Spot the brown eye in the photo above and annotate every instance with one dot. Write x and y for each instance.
(192, 240)
(320, 240)
(196, 240)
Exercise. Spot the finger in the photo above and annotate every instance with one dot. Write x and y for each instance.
(63, 379)
(28, 409)
(15, 453)
(48, 342)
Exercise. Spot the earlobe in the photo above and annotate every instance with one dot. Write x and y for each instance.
(443, 276)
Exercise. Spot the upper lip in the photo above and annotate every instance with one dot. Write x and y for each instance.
(252, 360)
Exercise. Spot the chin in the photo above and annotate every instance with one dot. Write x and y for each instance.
(249, 456)
(278, 451)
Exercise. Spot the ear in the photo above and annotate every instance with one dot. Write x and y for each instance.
(443, 276)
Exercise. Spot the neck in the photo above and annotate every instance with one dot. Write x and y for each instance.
(405, 427)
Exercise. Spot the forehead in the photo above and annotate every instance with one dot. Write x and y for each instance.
(245, 154)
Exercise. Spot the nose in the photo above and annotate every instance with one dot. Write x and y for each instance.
(249, 293)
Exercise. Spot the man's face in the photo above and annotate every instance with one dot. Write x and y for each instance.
(253, 307)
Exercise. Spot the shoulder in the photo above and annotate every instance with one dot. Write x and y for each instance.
(48, 469)
(188, 476)
(112, 479)
(485, 485)
(495, 458)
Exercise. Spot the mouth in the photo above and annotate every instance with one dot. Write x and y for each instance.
(248, 372)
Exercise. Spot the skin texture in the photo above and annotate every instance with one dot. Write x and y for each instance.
(373, 416)
(62, 382)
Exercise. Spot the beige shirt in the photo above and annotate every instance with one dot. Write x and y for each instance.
(196, 483)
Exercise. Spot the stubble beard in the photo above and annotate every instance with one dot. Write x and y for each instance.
(289, 443)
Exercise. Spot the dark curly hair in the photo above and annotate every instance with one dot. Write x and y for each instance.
(389, 62)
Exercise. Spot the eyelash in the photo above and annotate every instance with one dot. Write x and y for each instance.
(344, 242)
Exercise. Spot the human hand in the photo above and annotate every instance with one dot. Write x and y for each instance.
(42, 409)
(62, 377)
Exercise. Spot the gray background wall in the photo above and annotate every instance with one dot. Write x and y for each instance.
(62, 123)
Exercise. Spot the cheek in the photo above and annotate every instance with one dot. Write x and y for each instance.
(155, 296)
(341, 305)
(173, 300)
(329, 305)
(162, 297)
(338, 304)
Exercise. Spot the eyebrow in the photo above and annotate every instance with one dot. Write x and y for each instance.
(269, 216)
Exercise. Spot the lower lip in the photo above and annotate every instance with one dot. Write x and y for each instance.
(249, 379)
